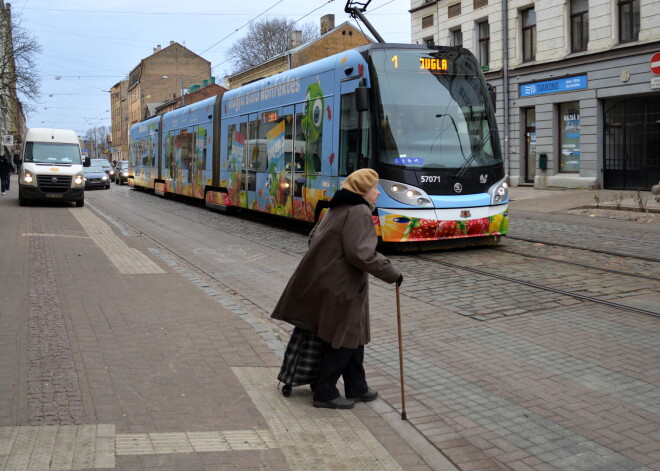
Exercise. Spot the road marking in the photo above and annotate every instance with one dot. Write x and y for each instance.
(305, 434)
(41, 234)
(127, 260)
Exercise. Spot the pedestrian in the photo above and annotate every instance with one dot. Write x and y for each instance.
(6, 169)
(17, 162)
(328, 293)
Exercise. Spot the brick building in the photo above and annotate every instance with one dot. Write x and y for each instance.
(194, 95)
(161, 77)
(577, 100)
(119, 115)
(332, 40)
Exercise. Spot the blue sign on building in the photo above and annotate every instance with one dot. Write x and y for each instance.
(554, 86)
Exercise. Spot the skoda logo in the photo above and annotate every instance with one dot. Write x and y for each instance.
(458, 187)
(54, 179)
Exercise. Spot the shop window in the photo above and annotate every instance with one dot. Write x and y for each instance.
(569, 137)
(579, 25)
(628, 20)
(529, 34)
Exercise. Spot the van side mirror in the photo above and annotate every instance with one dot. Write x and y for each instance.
(362, 96)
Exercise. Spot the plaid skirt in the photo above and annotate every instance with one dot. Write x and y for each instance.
(302, 359)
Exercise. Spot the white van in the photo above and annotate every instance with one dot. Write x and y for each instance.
(51, 167)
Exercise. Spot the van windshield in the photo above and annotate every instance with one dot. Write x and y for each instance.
(52, 153)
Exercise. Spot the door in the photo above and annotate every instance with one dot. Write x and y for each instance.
(530, 145)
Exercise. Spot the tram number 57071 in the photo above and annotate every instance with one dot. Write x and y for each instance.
(430, 178)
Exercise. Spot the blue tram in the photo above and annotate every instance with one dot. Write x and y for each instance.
(422, 117)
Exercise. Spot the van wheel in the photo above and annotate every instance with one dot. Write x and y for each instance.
(80, 203)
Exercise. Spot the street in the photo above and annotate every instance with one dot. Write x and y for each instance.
(136, 335)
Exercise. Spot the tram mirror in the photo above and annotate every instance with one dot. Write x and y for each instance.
(493, 95)
(362, 97)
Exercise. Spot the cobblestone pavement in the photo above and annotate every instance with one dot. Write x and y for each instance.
(175, 369)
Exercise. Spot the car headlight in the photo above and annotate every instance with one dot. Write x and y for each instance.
(112, 172)
(104, 177)
(124, 174)
(406, 194)
(28, 177)
(79, 179)
(499, 192)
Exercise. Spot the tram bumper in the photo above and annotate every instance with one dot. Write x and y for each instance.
(420, 225)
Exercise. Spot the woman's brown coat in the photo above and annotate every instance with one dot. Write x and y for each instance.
(329, 291)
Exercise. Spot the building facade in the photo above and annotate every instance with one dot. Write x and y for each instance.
(12, 117)
(194, 95)
(332, 40)
(119, 120)
(163, 76)
(578, 102)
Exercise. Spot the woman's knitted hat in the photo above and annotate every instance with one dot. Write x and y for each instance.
(361, 181)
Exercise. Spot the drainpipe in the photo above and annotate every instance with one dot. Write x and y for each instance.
(505, 79)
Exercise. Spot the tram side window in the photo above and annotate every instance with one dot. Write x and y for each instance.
(354, 141)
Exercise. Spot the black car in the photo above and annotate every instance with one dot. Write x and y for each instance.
(121, 172)
(95, 177)
(107, 167)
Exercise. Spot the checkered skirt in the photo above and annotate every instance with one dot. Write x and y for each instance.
(302, 359)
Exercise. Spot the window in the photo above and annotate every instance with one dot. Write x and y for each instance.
(456, 38)
(628, 20)
(569, 137)
(427, 21)
(479, 3)
(354, 139)
(454, 10)
(579, 25)
(484, 44)
(529, 34)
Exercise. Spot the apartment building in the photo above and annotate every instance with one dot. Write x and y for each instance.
(119, 121)
(577, 82)
(164, 75)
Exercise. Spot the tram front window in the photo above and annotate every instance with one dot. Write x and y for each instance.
(432, 118)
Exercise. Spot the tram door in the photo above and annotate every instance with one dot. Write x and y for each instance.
(530, 145)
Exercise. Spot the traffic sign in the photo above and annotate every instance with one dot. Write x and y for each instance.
(655, 63)
(8, 140)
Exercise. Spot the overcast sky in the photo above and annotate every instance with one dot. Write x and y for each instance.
(91, 45)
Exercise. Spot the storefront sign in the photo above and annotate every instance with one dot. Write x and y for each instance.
(655, 83)
(554, 86)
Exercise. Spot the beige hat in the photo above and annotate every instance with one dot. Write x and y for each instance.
(361, 181)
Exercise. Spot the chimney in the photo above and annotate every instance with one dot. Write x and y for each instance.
(296, 39)
(158, 47)
(327, 23)
(171, 42)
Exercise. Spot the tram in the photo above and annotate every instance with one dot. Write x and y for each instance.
(421, 116)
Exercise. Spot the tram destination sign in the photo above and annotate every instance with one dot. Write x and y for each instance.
(567, 84)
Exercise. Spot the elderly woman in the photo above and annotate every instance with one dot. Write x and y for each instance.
(329, 292)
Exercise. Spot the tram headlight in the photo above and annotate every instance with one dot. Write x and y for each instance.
(499, 192)
(406, 194)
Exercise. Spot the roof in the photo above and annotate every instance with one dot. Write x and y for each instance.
(300, 48)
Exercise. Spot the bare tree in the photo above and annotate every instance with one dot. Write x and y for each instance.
(18, 50)
(96, 143)
(265, 40)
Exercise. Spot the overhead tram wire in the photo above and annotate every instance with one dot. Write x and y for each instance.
(304, 16)
(230, 34)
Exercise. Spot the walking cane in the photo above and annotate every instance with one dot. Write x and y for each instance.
(398, 320)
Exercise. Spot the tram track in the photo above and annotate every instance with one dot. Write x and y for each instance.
(583, 265)
(499, 276)
(285, 248)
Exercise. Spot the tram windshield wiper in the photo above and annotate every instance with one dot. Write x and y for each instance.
(472, 156)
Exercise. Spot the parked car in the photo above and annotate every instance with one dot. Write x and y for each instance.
(95, 177)
(121, 172)
(107, 167)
